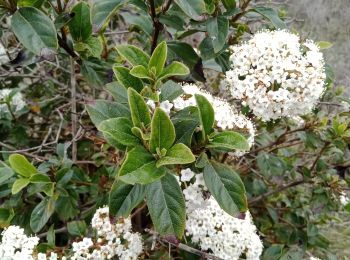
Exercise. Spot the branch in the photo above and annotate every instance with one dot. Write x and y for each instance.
(243, 12)
(158, 26)
(74, 111)
(281, 188)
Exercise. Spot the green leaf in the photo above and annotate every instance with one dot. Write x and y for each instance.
(119, 92)
(229, 4)
(119, 129)
(178, 154)
(140, 113)
(94, 46)
(5, 174)
(133, 55)
(174, 69)
(206, 115)
(39, 178)
(193, 8)
(102, 10)
(270, 165)
(166, 206)
(162, 131)
(34, 29)
(185, 52)
(101, 110)
(51, 236)
(158, 58)
(271, 15)
(6, 215)
(41, 214)
(139, 166)
(20, 164)
(123, 198)
(170, 91)
(226, 187)
(80, 26)
(324, 45)
(77, 228)
(140, 72)
(126, 79)
(217, 28)
(19, 185)
(228, 140)
(34, 3)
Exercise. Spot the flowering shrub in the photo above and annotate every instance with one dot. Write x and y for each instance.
(172, 127)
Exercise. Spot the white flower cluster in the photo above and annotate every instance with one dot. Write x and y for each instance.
(344, 199)
(226, 116)
(113, 240)
(16, 245)
(212, 228)
(17, 101)
(276, 75)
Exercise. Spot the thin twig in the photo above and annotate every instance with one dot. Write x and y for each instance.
(74, 117)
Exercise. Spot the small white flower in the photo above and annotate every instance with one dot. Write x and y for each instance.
(186, 175)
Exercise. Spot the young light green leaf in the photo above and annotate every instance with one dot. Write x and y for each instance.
(126, 79)
(80, 26)
(271, 15)
(162, 131)
(140, 72)
(102, 10)
(324, 45)
(158, 58)
(101, 110)
(178, 154)
(20, 164)
(41, 214)
(229, 4)
(206, 115)
(228, 140)
(123, 198)
(174, 69)
(19, 185)
(39, 178)
(139, 166)
(166, 206)
(34, 29)
(133, 55)
(226, 187)
(140, 113)
(217, 28)
(119, 129)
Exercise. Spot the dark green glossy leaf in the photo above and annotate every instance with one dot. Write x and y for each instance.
(119, 92)
(102, 110)
(193, 8)
(102, 10)
(119, 129)
(166, 205)
(206, 115)
(139, 166)
(226, 187)
(170, 91)
(217, 28)
(41, 214)
(77, 228)
(271, 15)
(123, 198)
(5, 174)
(34, 29)
(228, 140)
(80, 25)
